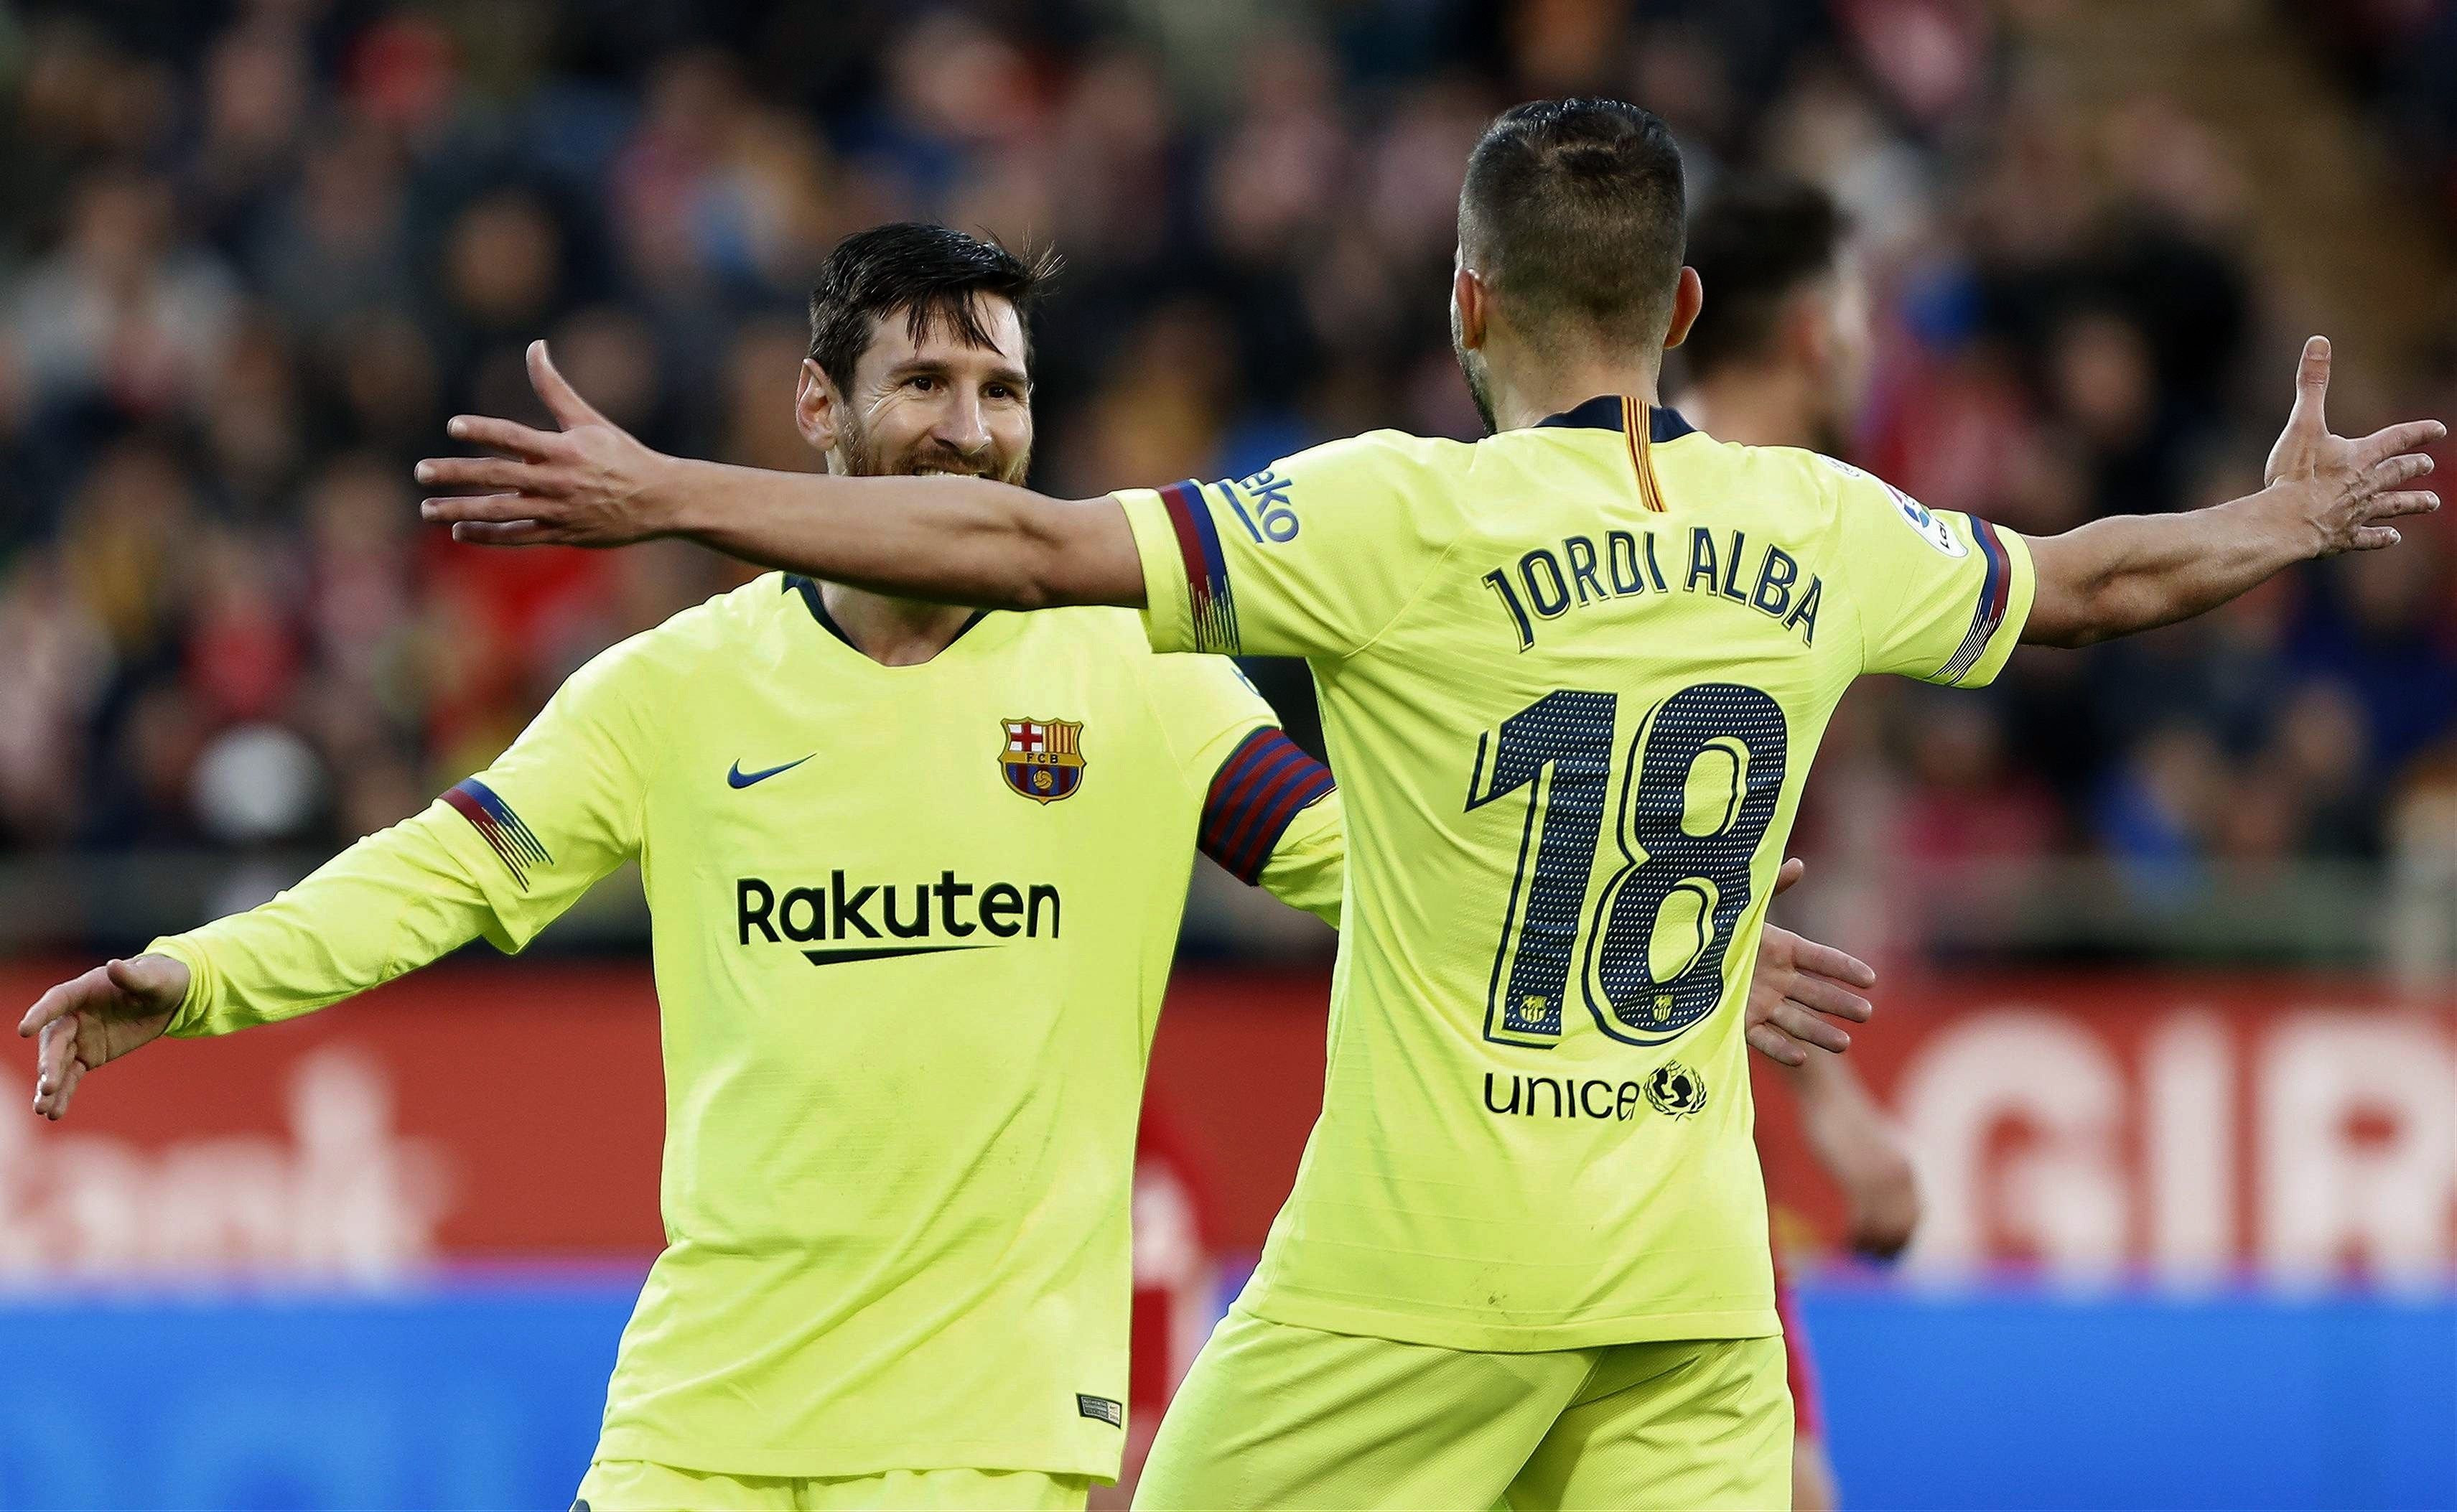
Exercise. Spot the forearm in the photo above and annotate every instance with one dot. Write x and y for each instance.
(954, 540)
(390, 903)
(2135, 572)
(1851, 1140)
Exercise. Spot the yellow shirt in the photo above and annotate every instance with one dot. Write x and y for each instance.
(911, 927)
(1571, 679)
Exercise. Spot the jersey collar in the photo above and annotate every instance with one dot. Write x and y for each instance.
(1603, 412)
(797, 583)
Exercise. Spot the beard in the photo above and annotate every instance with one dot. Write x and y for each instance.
(858, 451)
(1480, 386)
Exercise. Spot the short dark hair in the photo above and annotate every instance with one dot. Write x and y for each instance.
(1574, 211)
(1755, 243)
(930, 274)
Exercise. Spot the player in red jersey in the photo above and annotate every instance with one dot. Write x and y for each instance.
(1779, 357)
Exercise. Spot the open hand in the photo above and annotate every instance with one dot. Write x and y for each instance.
(2346, 489)
(1799, 986)
(99, 1017)
(589, 484)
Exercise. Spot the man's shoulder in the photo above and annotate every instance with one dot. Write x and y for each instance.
(1809, 471)
(1376, 476)
(685, 642)
(1081, 632)
(1791, 477)
(1396, 455)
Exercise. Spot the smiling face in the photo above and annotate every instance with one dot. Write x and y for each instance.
(929, 404)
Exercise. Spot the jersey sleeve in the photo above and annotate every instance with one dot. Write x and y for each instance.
(1254, 780)
(1942, 595)
(565, 804)
(1312, 556)
(390, 903)
(501, 855)
(1309, 865)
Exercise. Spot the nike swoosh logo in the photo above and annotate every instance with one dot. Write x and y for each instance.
(739, 778)
(830, 958)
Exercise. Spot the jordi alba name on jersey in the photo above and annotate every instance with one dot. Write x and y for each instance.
(911, 927)
(1570, 680)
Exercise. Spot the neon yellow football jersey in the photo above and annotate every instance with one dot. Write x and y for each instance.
(1571, 678)
(911, 929)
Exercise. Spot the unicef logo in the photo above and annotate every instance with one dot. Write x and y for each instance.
(1675, 1090)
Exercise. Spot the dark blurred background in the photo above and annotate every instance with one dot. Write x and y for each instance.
(254, 253)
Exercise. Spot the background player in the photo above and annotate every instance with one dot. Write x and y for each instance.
(1779, 357)
(896, 1268)
(1484, 1285)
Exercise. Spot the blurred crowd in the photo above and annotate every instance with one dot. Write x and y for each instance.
(256, 251)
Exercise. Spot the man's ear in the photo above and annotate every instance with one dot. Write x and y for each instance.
(1688, 297)
(817, 407)
(1472, 305)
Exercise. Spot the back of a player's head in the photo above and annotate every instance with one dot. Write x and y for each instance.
(930, 275)
(1755, 244)
(1573, 214)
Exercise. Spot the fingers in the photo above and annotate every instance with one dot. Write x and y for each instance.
(2391, 505)
(1791, 872)
(56, 1068)
(2397, 471)
(1802, 1025)
(509, 437)
(1829, 997)
(2311, 391)
(93, 989)
(2388, 441)
(562, 401)
(1776, 1045)
(486, 474)
(507, 532)
(2373, 537)
(492, 506)
(1824, 961)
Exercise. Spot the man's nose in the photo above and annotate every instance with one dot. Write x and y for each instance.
(964, 426)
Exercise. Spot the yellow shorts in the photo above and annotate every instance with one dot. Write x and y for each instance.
(1274, 1416)
(637, 1486)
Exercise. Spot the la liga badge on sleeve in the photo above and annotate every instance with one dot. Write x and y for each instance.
(1043, 758)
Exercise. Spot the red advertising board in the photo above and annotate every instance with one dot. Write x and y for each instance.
(2188, 1127)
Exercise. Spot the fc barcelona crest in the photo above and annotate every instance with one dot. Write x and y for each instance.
(1043, 758)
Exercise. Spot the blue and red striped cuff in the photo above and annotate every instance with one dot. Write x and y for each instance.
(1263, 785)
(503, 829)
(1214, 607)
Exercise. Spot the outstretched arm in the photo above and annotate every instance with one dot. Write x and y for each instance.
(390, 903)
(1850, 1138)
(956, 540)
(2325, 494)
(501, 855)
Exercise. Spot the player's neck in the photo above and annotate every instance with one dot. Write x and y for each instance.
(1524, 394)
(893, 632)
(1754, 406)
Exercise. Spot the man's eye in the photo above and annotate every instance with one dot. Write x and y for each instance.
(922, 382)
(1001, 391)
